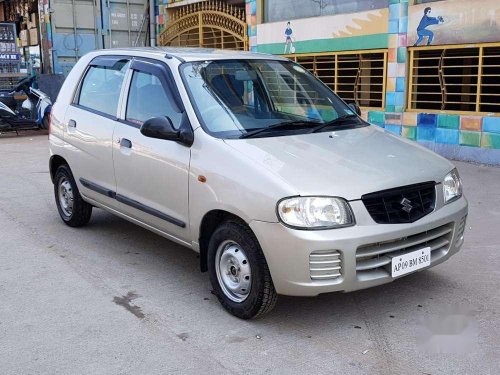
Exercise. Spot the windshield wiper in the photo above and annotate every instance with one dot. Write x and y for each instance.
(334, 122)
(279, 126)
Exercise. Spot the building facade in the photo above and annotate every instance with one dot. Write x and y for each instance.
(422, 69)
(52, 35)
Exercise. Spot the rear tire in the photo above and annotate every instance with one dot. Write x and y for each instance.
(74, 211)
(45, 122)
(239, 273)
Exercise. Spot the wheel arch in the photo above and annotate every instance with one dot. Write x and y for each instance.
(210, 221)
(55, 162)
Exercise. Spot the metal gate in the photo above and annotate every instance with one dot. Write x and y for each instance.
(208, 24)
(81, 26)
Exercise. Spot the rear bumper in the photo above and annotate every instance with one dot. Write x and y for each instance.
(287, 250)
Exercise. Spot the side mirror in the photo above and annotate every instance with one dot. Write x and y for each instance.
(161, 128)
(355, 108)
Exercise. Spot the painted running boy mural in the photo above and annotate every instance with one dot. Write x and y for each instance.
(425, 22)
(288, 38)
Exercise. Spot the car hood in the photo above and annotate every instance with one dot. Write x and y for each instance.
(344, 163)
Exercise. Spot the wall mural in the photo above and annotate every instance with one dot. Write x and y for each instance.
(295, 36)
(426, 21)
(454, 22)
(289, 39)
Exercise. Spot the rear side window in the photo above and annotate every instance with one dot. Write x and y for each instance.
(147, 99)
(101, 86)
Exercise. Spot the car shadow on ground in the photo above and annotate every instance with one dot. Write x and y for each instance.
(171, 263)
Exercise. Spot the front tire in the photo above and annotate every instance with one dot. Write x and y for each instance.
(74, 211)
(239, 273)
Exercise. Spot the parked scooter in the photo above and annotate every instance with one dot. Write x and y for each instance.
(29, 113)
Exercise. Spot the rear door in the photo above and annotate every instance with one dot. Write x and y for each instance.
(90, 122)
(152, 174)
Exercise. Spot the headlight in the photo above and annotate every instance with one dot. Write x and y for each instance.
(315, 212)
(452, 187)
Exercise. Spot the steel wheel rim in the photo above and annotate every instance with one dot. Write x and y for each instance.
(66, 198)
(233, 271)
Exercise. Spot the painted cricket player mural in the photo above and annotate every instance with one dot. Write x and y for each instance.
(288, 39)
(425, 22)
(462, 23)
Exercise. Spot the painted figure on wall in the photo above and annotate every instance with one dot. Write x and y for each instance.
(288, 38)
(425, 22)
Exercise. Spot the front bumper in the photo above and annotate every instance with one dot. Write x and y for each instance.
(287, 251)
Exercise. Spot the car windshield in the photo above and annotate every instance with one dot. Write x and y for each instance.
(246, 98)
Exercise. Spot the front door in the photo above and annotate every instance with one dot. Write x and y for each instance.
(151, 174)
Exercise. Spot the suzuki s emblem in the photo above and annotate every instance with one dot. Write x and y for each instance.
(406, 203)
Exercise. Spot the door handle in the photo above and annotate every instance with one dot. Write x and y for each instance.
(124, 142)
(71, 124)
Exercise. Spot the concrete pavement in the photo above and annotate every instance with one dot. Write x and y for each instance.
(113, 298)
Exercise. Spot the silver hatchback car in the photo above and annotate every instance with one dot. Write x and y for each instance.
(255, 164)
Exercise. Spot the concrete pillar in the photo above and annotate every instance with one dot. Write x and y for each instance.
(251, 15)
(397, 69)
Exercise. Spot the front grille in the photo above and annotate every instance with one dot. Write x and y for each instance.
(325, 264)
(378, 256)
(405, 204)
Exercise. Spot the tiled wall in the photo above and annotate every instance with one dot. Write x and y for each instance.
(396, 56)
(466, 137)
(460, 133)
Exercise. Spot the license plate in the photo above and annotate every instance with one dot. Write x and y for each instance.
(403, 264)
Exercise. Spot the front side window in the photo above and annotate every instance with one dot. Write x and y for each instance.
(235, 98)
(147, 99)
(101, 86)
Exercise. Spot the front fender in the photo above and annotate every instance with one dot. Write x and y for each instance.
(225, 180)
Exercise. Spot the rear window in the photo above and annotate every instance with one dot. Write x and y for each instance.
(101, 86)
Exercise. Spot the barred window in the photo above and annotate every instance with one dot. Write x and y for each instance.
(289, 91)
(356, 77)
(455, 78)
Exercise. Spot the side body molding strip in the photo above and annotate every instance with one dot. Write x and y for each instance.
(97, 188)
(149, 210)
(132, 203)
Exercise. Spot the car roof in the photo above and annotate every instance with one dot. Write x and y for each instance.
(188, 54)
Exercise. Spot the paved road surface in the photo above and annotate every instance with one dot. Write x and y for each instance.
(112, 298)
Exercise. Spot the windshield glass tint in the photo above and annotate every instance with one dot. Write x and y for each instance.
(236, 97)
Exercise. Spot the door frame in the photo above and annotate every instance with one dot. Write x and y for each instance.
(155, 67)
